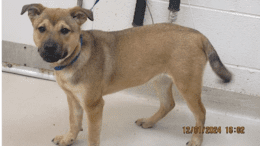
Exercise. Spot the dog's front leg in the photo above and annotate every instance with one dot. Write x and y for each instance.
(94, 110)
(75, 118)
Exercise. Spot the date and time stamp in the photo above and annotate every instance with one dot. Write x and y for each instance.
(213, 130)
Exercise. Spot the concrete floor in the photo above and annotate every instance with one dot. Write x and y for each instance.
(35, 111)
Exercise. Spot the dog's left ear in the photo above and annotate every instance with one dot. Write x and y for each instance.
(33, 10)
(81, 15)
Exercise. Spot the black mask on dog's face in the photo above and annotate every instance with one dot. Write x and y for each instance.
(51, 51)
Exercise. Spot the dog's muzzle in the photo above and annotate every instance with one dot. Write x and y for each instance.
(51, 51)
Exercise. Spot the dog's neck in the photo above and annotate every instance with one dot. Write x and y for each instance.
(74, 55)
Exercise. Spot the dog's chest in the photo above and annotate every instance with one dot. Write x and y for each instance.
(76, 90)
(64, 79)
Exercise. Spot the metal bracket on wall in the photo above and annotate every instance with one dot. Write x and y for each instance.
(80, 3)
(25, 60)
(22, 54)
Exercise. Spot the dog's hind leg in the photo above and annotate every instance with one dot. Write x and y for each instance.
(189, 84)
(164, 92)
(192, 94)
(75, 118)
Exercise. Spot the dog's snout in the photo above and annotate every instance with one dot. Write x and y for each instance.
(50, 46)
(51, 51)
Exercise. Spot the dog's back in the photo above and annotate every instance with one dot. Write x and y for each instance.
(141, 53)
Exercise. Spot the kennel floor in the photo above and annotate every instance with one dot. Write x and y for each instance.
(34, 111)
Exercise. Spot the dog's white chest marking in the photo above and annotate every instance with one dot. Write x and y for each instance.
(79, 91)
(63, 78)
(63, 75)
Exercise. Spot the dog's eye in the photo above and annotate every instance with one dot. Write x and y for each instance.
(42, 29)
(64, 31)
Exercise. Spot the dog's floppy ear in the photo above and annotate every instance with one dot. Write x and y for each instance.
(33, 10)
(81, 15)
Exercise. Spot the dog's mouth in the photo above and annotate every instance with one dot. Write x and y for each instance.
(51, 57)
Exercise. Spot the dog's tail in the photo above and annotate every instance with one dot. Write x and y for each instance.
(215, 62)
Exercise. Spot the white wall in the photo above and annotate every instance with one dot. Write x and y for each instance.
(231, 25)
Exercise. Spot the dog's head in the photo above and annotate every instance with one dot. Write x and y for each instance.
(56, 31)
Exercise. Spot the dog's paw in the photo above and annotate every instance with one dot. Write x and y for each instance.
(63, 140)
(193, 143)
(144, 123)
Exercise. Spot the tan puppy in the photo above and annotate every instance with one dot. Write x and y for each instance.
(107, 62)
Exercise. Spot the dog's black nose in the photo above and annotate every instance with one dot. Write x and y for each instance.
(50, 46)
